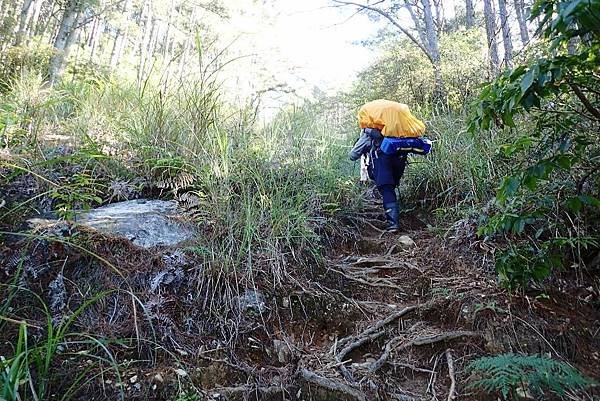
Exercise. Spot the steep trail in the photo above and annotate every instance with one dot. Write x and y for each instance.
(382, 317)
(411, 333)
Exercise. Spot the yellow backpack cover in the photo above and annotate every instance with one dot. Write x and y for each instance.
(391, 118)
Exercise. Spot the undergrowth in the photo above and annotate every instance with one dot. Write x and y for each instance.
(518, 377)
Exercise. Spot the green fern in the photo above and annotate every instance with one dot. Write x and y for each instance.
(509, 372)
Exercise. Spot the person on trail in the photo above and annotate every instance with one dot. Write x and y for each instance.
(389, 133)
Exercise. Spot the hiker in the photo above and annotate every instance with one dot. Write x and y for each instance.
(389, 133)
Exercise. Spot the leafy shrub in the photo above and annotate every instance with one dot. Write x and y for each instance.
(513, 375)
(548, 203)
(17, 60)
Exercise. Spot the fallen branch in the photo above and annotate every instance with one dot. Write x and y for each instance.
(371, 261)
(332, 384)
(425, 340)
(452, 391)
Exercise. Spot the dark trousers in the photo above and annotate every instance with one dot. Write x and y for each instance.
(386, 171)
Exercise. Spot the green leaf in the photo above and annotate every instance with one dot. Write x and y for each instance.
(589, 200)
(574, 204)
(527, 80)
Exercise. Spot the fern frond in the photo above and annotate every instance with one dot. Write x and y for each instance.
(506, 373)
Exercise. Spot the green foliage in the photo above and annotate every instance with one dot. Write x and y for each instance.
(404, 74)
(188, 396)
(18, 60)
(513, 375)
(24, 110)
(31, 369)
(552, 188)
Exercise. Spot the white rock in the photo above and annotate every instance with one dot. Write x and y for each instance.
(406, 242)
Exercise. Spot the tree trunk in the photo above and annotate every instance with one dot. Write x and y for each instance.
(470, 14)
(421, 31)
(440, 18)
(64, 39)
(26, 11)
(506, 36)
(433, 46)
(522, 20)
(34, 20)
(490, 29)
(144, 45)
(165, 49)
(121, 38)
(46, 13)
(94, 37)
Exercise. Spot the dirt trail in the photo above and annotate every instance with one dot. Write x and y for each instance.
(385, 317)
(410, 334)
(425, 309)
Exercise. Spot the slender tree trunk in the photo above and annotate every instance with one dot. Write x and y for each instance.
(433, 46)
(470, 14)
(439, 16)
(6, 24)
(94, 37)
(35, 17)
(47, 10)
(144, 45)
(186, 45)
(64, 39)
(26, 12)
(421, 31)
(522, 20)
(121, 38)
(506, 35)
(490, 29)
(165, 44)
(151, 45)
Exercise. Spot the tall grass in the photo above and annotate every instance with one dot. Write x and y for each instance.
(462, 171)
(263, 196)
(30, 369)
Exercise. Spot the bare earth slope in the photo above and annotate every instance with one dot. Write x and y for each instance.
(384, 317)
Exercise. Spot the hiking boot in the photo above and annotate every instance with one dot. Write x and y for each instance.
(392, 215)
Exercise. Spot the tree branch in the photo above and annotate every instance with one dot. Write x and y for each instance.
(392, 20)
(588, 105)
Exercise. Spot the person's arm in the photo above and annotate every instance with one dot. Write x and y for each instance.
(361, 147)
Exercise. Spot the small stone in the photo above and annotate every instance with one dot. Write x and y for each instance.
(158, 377)
(252, 300)
(284, 353)
(406, 242)
(181, 372)
(133, 379)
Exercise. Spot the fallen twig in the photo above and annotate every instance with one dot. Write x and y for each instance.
(452, 391)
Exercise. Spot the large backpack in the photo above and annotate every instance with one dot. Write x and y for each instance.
(393, 119)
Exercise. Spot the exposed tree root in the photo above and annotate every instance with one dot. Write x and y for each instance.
(452, 391)
(331, 384)
(424, 340)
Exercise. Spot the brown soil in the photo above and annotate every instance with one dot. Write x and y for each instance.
(190, 333)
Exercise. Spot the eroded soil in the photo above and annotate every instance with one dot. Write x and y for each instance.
(381, 319)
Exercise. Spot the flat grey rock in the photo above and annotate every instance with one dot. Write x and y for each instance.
(146, 223)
